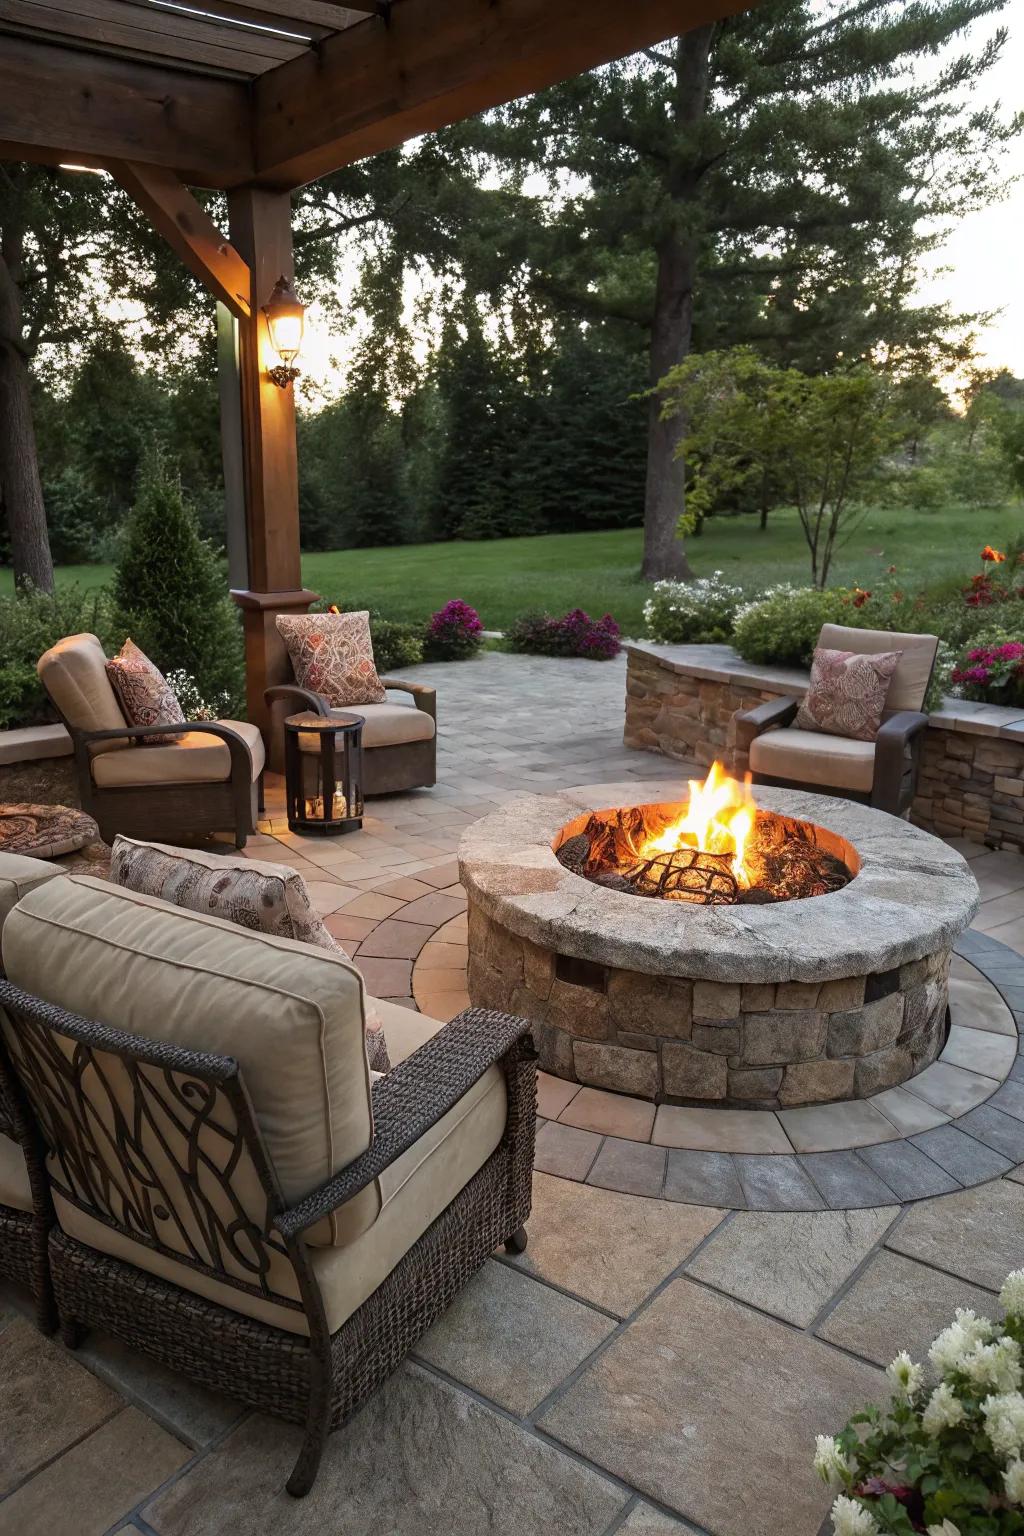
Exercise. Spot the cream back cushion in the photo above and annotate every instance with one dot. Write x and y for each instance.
(74, 674)
(290, 1015)
(18, 876)
(909, 682)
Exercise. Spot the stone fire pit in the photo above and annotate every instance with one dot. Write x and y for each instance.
(836, 996)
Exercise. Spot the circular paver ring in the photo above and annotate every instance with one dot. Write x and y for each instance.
(957, 1124)
(44, 831)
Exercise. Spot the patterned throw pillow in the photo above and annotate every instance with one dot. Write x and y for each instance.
(331, 654)
(847, 692)
(145, 696)
(268, 898)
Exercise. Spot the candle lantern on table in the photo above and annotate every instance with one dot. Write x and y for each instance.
(323, 768)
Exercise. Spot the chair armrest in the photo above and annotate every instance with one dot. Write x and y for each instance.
(412, 1097)
(894, 736)
(305, 696)
(424, 697)
(754, 722)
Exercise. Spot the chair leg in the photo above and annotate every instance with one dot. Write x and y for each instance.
(313, 1441)
(517, 1242)
(261, 798)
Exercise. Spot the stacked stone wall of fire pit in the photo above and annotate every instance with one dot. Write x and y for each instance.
(675, 1041)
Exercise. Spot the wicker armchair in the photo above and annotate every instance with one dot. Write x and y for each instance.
(883, 772)
(399, 741)
(26, 1210)
(205, 781)
(188, 1224)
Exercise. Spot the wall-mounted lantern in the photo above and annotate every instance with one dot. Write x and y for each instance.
(285, 314)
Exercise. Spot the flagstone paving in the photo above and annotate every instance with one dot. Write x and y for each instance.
(655, 1363)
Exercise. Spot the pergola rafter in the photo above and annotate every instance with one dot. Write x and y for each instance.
(255, 98)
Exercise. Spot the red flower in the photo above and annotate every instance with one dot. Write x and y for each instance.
(860, 597)
(995, 556)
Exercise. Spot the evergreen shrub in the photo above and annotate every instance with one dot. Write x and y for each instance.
(170, 593)
(395, 645)
(30, 622)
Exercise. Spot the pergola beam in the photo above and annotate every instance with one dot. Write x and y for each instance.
(190, 232)
(373, 86)
(65, 104)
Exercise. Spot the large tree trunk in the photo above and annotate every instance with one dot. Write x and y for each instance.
(671, 331)
(19, 466)
(665, 498)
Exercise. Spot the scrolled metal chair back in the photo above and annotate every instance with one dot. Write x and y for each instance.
(157, 1143)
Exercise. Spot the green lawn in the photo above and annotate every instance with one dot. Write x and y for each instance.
(599, 571)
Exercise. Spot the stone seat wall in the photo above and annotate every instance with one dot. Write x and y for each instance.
(681, 700)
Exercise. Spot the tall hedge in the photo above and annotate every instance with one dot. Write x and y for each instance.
(170, 592)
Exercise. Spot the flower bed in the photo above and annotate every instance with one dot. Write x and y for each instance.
(946, 1456)
(780, 625)
(577, 634)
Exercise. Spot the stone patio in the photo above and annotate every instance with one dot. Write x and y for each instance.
(654, 1363)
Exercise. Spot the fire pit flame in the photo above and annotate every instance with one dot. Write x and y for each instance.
(718, 849)
(719, 819)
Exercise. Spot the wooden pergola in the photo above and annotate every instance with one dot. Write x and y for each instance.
(257, 97)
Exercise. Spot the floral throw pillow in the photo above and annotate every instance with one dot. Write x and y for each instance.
(847, 692)
(268, 898)
(331, 654)
(144, 694)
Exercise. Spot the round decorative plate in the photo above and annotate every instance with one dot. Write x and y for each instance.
(44, 831)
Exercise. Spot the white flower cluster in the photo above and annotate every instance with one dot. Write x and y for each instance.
(905, 1376)
(677, 608)
(980, 1369)
(830, 1463)
(780, 589)
(851, 1519)
(1011, 1297)
(944, 1410)
(193, 706)
(1004, 1422)
(962, 1336)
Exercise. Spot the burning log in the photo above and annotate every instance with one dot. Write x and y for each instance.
(653, 851)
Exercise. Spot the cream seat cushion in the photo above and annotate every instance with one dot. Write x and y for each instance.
(810, 757)
(291, 1015)
(384, 725)
(193, 759)
(15, 1190)
(74, 674)
(415, 1190)
(18, 876)
(909, 682)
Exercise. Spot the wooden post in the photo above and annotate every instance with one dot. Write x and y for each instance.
(260, 225)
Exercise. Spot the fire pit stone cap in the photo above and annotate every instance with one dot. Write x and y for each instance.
(912, 896)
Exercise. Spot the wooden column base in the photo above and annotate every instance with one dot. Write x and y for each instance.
(266, 660)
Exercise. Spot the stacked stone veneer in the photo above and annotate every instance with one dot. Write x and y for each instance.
(700, 1042)
(682, 701)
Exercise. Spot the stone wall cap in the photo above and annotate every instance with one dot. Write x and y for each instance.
(34, 742)
(913, 895)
